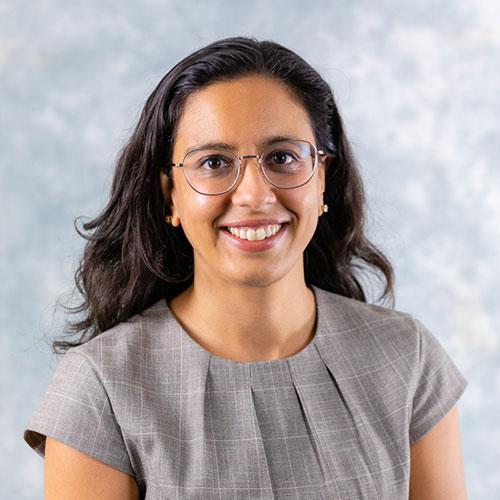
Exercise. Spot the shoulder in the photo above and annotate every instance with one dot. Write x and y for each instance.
(339, 313)
(380, 344)
(365, 337)
(122, 347)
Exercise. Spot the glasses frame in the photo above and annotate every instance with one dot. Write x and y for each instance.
(317, 153)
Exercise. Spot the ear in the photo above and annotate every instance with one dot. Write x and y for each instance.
(169, 195)
(322, 167)
(166, 186)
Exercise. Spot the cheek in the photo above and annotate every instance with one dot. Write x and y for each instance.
(305, 205)
(190, 205)
(207, 208)
(304, 202)
(199, 214)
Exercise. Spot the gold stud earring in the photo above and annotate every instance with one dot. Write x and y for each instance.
(173, 219)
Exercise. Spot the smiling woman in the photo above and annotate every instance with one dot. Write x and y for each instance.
(227, 349)
(248, 114)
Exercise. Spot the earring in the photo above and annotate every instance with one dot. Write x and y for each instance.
(324, 208)
(175, 221)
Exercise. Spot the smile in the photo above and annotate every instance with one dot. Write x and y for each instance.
(257, 234)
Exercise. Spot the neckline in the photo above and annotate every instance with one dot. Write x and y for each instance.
(186, 338)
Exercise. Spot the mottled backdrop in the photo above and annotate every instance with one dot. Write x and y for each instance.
(419, 86)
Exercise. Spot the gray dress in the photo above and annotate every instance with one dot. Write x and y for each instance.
(334, 421)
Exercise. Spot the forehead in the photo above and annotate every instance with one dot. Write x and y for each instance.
(245, 111)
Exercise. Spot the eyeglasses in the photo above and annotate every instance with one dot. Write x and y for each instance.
(285, 164)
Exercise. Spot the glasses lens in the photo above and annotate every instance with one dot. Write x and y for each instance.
(289, 164)
(211, 171)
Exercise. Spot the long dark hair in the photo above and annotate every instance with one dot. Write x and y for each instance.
(133, 258)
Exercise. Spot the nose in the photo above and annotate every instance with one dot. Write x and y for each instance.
(253, 189)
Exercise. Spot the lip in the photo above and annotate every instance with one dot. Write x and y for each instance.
(253, 246)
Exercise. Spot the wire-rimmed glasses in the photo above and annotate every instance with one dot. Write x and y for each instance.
(285, 164)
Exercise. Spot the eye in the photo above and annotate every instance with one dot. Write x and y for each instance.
(281, 161)
(215, 162)
(281, 157)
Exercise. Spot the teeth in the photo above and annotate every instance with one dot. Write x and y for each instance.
(255, 234)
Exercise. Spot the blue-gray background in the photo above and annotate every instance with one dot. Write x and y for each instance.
(418, 85)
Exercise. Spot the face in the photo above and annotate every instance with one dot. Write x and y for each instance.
(246, 114)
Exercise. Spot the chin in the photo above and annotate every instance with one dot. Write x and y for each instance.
(255, 278)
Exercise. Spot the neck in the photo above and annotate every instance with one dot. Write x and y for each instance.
(248, 323)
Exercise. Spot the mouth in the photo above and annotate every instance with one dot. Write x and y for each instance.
(254, 233)
(251, 236)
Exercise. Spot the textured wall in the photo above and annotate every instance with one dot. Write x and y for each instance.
(418, 84)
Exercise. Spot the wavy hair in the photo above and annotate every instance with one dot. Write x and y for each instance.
(133, 258)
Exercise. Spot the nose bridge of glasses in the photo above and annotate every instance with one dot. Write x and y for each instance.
(247, 157)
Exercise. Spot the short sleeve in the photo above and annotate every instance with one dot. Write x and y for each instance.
(439, 385)
(76, 411)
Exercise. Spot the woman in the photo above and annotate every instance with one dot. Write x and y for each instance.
(227, 349)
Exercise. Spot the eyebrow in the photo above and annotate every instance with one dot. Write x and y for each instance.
(232, 147)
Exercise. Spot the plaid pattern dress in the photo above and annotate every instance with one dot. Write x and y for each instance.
(334, 421)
